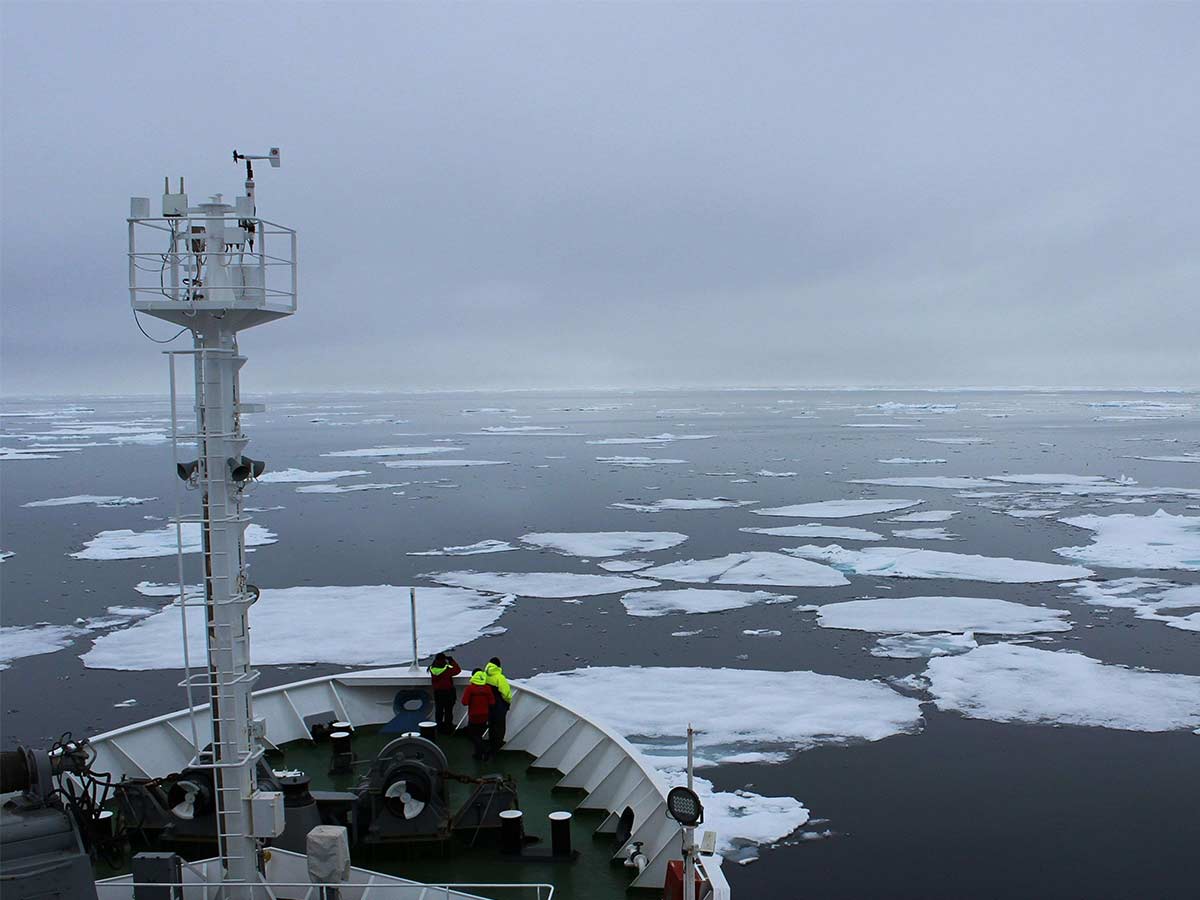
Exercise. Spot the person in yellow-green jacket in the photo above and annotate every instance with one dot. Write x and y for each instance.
(498, 718)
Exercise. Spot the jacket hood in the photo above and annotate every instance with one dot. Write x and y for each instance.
(478, 678)
(493, 669)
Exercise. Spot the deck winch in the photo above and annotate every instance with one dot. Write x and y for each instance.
(403, 795)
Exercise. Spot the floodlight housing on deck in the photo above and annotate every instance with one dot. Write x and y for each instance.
(684, 806)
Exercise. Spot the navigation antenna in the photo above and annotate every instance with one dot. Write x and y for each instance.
(216, 269)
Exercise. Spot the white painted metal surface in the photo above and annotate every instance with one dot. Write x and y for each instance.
(286, 879)
(211, 281)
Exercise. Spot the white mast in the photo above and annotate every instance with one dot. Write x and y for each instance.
(209, 269)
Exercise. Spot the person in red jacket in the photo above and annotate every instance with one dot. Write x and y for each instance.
(478, 697)
(442, 672)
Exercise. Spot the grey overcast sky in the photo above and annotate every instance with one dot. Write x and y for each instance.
(625, 194)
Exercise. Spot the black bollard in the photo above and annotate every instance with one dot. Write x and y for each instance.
(428, 730)
(560, 833)
(512, 832)
(343, 753)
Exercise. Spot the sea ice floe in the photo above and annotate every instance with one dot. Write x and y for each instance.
(1127, 541)
(302, 476)
(767, 473)
(648, 604)
(359, 625)
(1039, 478)
(817, 530)
(549, 585)
(881, 425)
(487, 546)
(664, 505)
(1184, 458)
(936, 481)
(90, 500)
(924, 534)
(529, 430)
(982, 615)
(625, 565)
(443, 463)
(902, 562)
(923, 646)
(750, 568)
(14, 454)
(907, 460)
(955, 440)
(639, 462)
(836, 509)
(1029, 513)
(6, 554)
(929, 515)
(1007, 683)
(125, 544)
(346, 488)
(19, 641)
(665, 438)
(603, 543)
(792, 711)
(762, 632)
(1147, 597)
(489, 410)
(381, 452)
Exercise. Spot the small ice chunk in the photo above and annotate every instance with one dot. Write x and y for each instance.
(1146, 597)
(836, 509)
(903, 562)
(624, 565)
(929, 515)
(443, 463)
(664, 505)
(90, 500)
(960, 615)
(303, 476)
(1007, 683)
(956, 440)
(767, 473)
(381, 452)
(817, 530)
(881, 425)
(488, 546)
(603, 543)
(762, 632)
(346, 488)
(665, 438)
(909, 461)
(936, 481)
(125, 544)
(639, 462)
(750, 568)
(1128, 541)
(694, 600)
(924, 534)
(552, 585)
(923, 646)
(687, 633)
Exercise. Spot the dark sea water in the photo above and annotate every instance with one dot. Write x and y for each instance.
(964, 808)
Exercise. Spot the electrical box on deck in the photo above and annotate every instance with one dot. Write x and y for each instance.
(175, 204)
(266, 814)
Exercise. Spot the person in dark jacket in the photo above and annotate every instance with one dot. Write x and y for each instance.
(478, 698)
(498, 724)
(442, 672)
